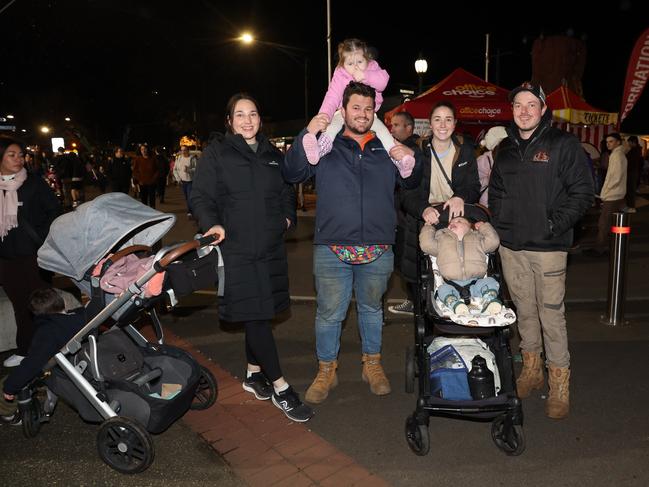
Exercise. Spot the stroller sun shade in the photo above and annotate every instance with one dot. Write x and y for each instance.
(112, 221)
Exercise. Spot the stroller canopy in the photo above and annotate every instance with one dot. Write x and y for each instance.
(79, 239)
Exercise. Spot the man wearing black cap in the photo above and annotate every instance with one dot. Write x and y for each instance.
(540, 187)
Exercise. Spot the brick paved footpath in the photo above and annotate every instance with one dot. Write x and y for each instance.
(261, 444)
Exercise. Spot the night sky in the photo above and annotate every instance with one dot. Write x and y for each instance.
(156, 65)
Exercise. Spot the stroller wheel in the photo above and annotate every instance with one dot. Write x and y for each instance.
(206, 391)
(31, 416)
(507, 436)
(124, 445)
(417, 436)
(410, 370)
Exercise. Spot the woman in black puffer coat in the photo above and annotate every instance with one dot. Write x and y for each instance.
(239, 194)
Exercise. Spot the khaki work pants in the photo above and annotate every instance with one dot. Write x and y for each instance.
(537, 284)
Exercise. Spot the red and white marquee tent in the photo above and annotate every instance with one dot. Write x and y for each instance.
(570, 112)
(478, 103)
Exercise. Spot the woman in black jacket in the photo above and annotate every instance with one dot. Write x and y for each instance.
(27, 208)
(450, 179)
(238, 193)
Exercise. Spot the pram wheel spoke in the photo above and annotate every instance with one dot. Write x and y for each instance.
(507, 436)
(417, 436)
(410, 370)
(124, 445)
(206, 391)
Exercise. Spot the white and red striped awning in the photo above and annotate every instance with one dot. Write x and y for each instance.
(593, 134)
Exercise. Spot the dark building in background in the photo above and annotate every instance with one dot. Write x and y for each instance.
(557, 61)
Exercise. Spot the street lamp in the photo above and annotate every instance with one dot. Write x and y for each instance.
(45, 129)
(247, 38)
(67, 119)
(421, 66)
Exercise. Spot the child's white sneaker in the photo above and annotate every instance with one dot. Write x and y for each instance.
(493, 307)
(460, 308)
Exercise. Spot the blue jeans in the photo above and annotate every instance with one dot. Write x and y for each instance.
(334, 282)
(477, 290)
(187, 191)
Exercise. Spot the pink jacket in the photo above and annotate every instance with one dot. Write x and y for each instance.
(375, 77)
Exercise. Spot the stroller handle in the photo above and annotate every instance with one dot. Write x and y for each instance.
(184, 248)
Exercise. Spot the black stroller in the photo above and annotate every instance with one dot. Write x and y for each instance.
(108, 372)
(434, 322)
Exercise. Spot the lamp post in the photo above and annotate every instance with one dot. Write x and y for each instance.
(421, 66)
(294, 53)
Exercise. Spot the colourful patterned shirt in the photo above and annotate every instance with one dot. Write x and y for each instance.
(358, 254)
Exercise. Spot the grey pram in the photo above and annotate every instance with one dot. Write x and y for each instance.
(108, 371)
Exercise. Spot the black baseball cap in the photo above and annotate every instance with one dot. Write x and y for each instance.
(533, 88)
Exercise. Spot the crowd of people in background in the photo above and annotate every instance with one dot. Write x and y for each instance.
(142, 172)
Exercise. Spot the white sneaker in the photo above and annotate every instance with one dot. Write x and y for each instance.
(13, 361)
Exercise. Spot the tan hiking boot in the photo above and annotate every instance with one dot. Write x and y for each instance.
(531, 376)
(558, 403)
(326, 380)
(373, 373)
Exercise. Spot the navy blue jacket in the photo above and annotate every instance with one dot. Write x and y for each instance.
(355, 190)
(52, 332)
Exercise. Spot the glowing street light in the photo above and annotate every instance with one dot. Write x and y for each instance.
(67, 119)
(10, 117)
(45, 129)
(247, 38)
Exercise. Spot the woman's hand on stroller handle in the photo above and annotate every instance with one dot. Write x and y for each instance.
(218, 231)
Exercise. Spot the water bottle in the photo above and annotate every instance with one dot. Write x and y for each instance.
(481, 379)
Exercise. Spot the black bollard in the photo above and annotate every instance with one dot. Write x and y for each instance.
(620, 232)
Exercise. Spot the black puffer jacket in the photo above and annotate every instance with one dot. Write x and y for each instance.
(38, 207)
(465, 183)
(539, 190)
(244, 192)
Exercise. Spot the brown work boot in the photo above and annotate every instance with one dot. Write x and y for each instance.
(531, 376)
(373, 373)
(323, 382)
(558, 403)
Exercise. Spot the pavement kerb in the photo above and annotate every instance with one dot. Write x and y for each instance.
(260, 444)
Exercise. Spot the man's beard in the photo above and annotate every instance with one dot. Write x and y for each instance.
(354, 130)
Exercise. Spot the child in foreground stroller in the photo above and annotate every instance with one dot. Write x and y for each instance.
(54, 327)
(461, 250)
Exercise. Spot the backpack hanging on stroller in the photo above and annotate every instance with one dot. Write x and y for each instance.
(443, 371)
(116, 377)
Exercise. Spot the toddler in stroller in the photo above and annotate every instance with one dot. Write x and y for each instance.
(108, 371)
(461, 250)
(470, 325)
